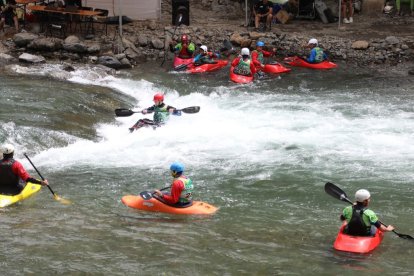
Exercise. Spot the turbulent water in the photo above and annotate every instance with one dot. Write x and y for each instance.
(261, 152)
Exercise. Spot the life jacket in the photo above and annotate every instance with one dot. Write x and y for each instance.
(260, 56)
(243, 68)
(356, 225)
(186, 194)
(206, 58)
(161, 113)
(319, 54)
(9, 182)
(186, 52)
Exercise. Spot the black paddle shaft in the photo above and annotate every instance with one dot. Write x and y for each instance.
(336, 192)
(34, 167)
(124, 112)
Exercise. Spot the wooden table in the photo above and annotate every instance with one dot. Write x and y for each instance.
(85, 13)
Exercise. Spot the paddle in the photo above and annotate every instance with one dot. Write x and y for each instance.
(124, 112)
(180, 17)
(55, 196)
(336, 192)
(148, 195)
(184, 66)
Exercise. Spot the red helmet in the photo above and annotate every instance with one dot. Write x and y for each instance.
(159, 97)
(184, 38)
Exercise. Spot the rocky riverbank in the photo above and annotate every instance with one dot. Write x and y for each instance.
(376, 42)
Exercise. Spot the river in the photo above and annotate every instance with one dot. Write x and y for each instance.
(260, 152)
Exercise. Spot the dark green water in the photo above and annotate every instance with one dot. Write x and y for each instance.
(261, 152)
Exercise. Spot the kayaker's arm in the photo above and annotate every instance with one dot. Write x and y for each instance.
(389, 228)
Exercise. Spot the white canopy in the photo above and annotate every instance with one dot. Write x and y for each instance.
(134, 9)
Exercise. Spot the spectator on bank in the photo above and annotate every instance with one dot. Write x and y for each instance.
(263, 9)
(398, 6)
(8, 14)
(347, 11)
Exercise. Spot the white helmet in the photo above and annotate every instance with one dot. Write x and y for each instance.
(245, 52)
(7, 149)
(362, 195)
(313, 41)
(204, 48)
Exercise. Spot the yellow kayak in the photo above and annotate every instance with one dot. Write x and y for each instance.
(29, 190)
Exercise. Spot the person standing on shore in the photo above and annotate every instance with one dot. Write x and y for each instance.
(347, 11)
(8, 13)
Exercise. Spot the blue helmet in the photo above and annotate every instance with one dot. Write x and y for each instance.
(177, 167)
(260, 43)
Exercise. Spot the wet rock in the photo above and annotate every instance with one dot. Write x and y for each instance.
(22, 39)
(6, 59)
(25, 57)
(68, 67)
(142, 40)
(255, 35)
(72, 39)
(75, 48)
(46, 44)
(110, 62)
(157, 43)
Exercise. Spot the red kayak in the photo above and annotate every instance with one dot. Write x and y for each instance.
(179, 61)
(240, 78)
(299, 62)
(274, 68)
(156, 205)
(207, 67)
(190, 67)
(357, 244)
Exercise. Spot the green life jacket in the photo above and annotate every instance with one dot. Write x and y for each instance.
(161, 114)
(186, 194)
(260, 56)
(319, 54)
(185, 53)
(356, 225)
(243, 68)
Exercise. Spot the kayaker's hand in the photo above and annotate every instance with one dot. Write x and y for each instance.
(44, 182)
(144, 111)
(262, 65)
(390, 228)
(158, 193)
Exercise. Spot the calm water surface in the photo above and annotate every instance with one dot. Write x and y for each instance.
(260, 152)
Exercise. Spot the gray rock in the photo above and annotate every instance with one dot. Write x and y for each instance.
(75, 48)
(6, 59)
(142, 40)
(25, 57)
(94, 48)
(22, 39)
(72, 39)
(110, 62)
(411, 71)
(157, 43)
(46, 44)
(392, 40)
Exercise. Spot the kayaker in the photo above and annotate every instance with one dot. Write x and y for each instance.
(360, 219)
(161, 113)
(185, 49)
(316, 54)
(181, 188)
(259, 54)
(13, 177)
(204, 56)
(243, 65)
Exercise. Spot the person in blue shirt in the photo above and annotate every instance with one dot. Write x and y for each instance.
(316, 54)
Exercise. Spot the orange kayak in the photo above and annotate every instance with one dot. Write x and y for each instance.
(155, 205)
(357, 244)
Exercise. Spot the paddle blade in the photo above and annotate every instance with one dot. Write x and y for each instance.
(336, 192)
(123, 112)
(181, 67)
(62, 200)
(146, 195)
(191, 109)
(404, 236)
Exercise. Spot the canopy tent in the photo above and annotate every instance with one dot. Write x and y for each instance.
(134, 9)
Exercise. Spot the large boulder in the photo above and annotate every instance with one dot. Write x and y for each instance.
(25, 57)
(22, 39)
(46, 44)
(360, 45)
